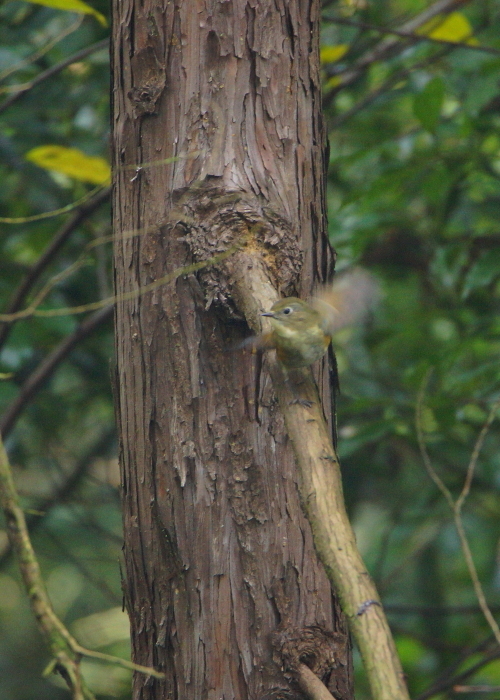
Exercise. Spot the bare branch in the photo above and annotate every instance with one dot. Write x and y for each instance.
(82, 213)
(49, 364)
(322, 498)
(475, 455)
(64, 648)
(392, 44)
(41, 51)
(411, 35)
(387, 85)
(53, 70)
(456, 506)
(452, 681)
(63, 489)
(54, 212)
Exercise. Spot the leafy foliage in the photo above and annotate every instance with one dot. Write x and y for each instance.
(63, 442)
(413, 195)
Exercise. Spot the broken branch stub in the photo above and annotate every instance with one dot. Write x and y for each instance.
(216, 219)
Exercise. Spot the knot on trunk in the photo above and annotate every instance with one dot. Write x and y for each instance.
(319, 649)
(216, 218)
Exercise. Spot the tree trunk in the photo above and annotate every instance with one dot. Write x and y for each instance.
(218, 139)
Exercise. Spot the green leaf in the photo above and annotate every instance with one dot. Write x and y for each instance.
(410, 651)
(73, 6)
(331, 54)
(483, 271)
(481, 91)
(428, 422)
(427, 104)
(71, 162)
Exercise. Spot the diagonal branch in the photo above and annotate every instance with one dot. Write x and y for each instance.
(387, 85)
(66, 651)
(48, 366)
(53, 70)
(447, 680)
(322, 498)
(36, 55)
(391, 44)
(456, 506)
(56, 635)
(410, 35)
(311, 685)
(64, 489)
(82, 213)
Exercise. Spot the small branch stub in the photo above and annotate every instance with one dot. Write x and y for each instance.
(307, 657)
(217, 219)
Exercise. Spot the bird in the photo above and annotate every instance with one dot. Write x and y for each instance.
(301, 331)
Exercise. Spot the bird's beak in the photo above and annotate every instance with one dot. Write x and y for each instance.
(268, 313)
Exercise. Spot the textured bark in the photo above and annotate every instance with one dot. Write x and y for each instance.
(219, 558)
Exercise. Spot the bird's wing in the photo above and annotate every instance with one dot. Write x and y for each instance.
(348, 300)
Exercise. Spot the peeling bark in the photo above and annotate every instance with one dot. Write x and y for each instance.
(217, 136)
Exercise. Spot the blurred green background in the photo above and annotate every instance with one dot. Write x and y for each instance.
(413, 196)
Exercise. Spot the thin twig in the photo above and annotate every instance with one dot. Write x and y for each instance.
(391, 44)
(421, 442)
(478, 589)
(456, 506)
(53, 70)
(445, 684)
(80, 215)
(476, 688)
(116, 298)
(437, 610)
(41, 51)
(36, 380)
(63, 489)
(117, 661)
(91, 578)
(475, 455)
(448, 676)
(56, 279)
(410, 35)
(66, 651)
(54, 212)
(387, 85)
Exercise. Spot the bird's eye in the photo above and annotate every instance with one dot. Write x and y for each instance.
(287, 311)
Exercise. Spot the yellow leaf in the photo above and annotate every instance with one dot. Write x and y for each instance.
(333, 82)
(453, 27)
(73, 6)
(330, 54)
(71, 162)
